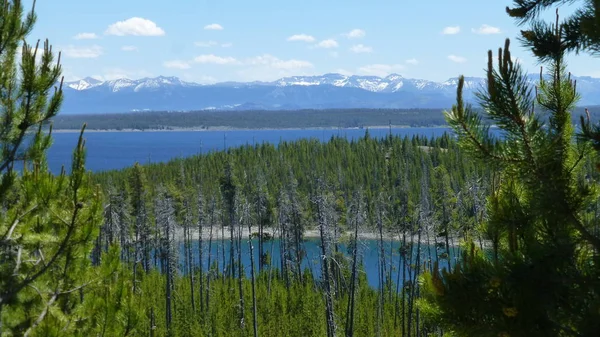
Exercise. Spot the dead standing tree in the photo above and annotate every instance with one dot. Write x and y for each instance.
(324, 211)
(357, 218)
(246, 220)
(165, 219)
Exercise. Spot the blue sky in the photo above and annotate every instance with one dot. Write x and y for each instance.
(240, 40)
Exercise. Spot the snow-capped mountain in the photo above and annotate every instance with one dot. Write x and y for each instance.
(135, 85)
(89, 95)
(84, 84)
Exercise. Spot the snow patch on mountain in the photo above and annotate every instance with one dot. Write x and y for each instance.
(83, 84)
(125, 83)
(289, 93)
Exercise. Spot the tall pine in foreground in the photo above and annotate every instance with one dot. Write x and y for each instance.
(541, 276)
(581, 33)
(47, 222)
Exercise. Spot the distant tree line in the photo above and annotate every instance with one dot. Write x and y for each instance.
(253, 119)
(270, 119)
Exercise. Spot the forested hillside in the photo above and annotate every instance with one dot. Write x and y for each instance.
(266, 119)
(250, 119)
(421, 193)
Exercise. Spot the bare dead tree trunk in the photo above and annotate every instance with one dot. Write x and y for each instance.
(294, 218)
(242, 313)
(381, 264)
(247, 219)
(261, 214)
(322, 215)
(410, 285)
(165, 219)
(188, 252)
(284, 236)
(224, 268)
(200, 207)
(403, 259)
(357, 218)
(213, 210)
(415, 283)
(270, 264)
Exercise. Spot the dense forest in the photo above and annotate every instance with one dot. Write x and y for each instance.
(347, 192)
(207, 119)
(266, 119)
(474, 233)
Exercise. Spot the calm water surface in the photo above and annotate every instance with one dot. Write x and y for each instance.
(116, 150)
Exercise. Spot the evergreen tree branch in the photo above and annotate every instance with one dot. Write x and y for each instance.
(7, 236)
(508, 101)
(71, 227)
(526, 10)
(472, 133)
(585, 233)
(42, 315)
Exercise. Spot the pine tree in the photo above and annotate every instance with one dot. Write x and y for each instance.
(541, 279)
(580, 31)
(48, 223)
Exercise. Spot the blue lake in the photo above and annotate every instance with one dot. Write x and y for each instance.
(368, 257)
(116, 150)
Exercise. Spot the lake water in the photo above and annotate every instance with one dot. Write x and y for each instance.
(116, 150)
(368, 256)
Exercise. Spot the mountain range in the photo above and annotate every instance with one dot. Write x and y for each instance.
(91, 96)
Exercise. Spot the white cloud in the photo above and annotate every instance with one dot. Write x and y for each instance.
(129, 48)
(360, 48)
(457, 59)
(451, 30)
(267, 67)
(205, 44)
(380, 70)
(592, 73)
(118, 73)
(176, 64)
(70, 76)
(85, 36)
(213, 26)
(276, 63)
(355, 34)
(301, 37)
(486, 30)
(135, 26)
(82, 52)
(343, 72)
(412, 61)
(329, 43)
(191, 77)
(213, 59)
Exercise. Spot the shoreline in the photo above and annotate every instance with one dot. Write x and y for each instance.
(308, 234)
(228, 128)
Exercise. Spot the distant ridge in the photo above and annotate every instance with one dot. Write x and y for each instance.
(326, 91)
